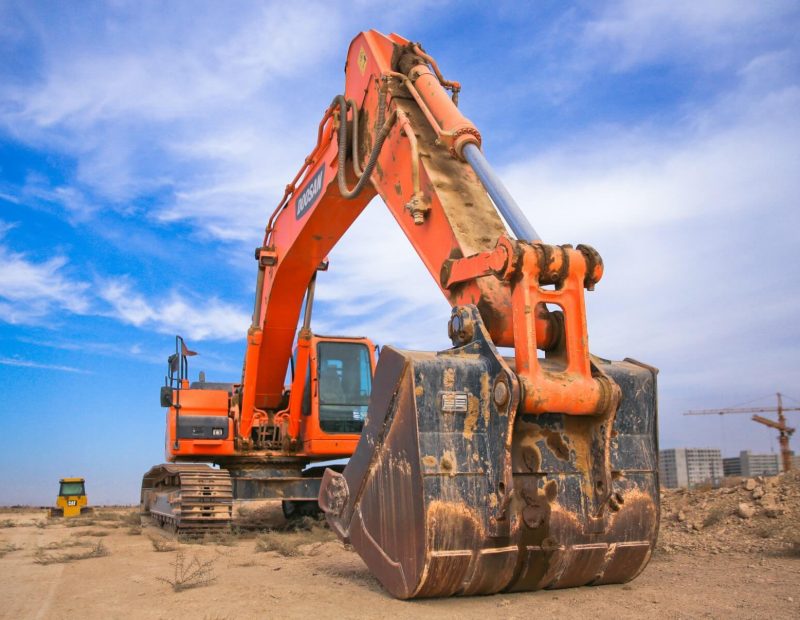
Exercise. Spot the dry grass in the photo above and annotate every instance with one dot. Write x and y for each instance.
(8, 523)
(79, 521)
(119, 518)
(16, 509)
(226, 538)
(289, 543)
(191, 574)
(63, 544)
(295, 534)
(97, 550)
(132, 518)
(255, 518)
(162, 545)
(6, 548)
(95, 533)
(282, 543)
(135, 530)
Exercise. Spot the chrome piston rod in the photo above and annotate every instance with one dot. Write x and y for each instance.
(503, 200)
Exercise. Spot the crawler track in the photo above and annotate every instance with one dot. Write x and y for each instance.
(188, 499)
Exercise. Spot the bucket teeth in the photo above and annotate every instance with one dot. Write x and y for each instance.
(451, 492)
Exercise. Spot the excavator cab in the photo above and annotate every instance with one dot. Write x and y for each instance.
(336, 389)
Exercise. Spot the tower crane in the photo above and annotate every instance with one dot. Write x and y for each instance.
(784, 430)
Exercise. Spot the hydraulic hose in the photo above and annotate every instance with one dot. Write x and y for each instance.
(385, 127)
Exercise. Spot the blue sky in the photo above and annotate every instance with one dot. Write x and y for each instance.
(143, 146)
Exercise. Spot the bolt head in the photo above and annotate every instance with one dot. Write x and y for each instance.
(500, 393)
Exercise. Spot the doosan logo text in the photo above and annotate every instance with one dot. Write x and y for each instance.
(308, 196)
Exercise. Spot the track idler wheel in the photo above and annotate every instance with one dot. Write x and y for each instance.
(450, 492)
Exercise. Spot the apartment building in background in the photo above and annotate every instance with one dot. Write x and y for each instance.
(690, 467)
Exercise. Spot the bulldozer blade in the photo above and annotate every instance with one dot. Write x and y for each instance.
(451, 492)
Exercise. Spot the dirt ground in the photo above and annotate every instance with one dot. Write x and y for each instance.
(714, 560)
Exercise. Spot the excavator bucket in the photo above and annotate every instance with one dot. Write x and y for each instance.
(452, 492)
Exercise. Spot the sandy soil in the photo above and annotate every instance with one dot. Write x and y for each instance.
(322, 579)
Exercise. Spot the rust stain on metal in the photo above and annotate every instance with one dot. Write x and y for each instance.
(485, 399)
(448, 463)
(449, 379)
(557, 444)
(471, 419)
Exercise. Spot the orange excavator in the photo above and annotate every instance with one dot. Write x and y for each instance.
(470, 472)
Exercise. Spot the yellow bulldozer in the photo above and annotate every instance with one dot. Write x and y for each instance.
(71, 501)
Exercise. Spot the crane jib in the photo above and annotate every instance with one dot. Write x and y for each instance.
(309, 195)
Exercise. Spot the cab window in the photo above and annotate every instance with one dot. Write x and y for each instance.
(71, 488)
(345, 384)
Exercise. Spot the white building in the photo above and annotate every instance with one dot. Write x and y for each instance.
(749, 465)
(689, 467)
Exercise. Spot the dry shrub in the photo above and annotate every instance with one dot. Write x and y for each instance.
(95, 551)
(6, 548)
(163, 545)
(8, 523)
(257, 517)
(283, 543)
(288, 543)
(304, 524)
(132, 518)
(192, 574)
(135, 530)
(714, 516)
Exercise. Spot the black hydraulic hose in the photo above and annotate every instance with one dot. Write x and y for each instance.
(351, 104)
(385, 127)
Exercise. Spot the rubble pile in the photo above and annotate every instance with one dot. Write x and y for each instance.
(751, 515)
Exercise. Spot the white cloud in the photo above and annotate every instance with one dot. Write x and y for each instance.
(628, 178)
(30, 290)
(15, 361)
(155, 110)
(696, 222)
(712, 33)
(194, 318)
(158, 68)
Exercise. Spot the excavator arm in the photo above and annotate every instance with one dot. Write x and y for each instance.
(413, 142)
(475, 472)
